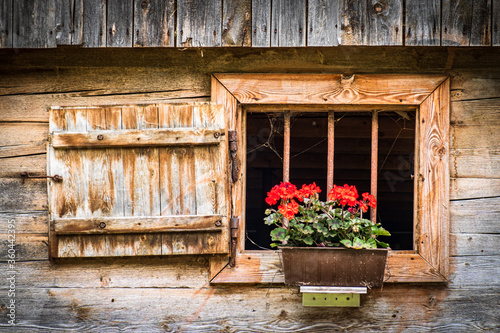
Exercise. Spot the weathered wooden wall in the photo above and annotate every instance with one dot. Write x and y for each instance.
(173, 293)
(257, 23)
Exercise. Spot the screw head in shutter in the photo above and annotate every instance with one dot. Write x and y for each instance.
(218, 223)
(102, 225)
(100, 137)
(216, 135)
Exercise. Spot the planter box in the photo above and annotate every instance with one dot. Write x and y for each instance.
(327, 266)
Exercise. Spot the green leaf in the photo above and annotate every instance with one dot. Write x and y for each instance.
(381, 244)
(358, 243)
(278, 234)
(347, 243)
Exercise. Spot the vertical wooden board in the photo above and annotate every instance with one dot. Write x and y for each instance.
(423, 23)
(456, 22)
(385, 22)
(140, 166)
(236, 23)
(261, 23)
(434, 178)
(90, 23)
(34, 23)
(64, 21)
(480, 34)
(192, 243)
(322, 25)
(205, 181)
(288, 23)
(6, 23)
(154, 23)
(495, 9)
(119, 23)
(199, 23)
(353, 21)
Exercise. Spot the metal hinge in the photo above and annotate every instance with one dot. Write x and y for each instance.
(235, 224)
(233, 151)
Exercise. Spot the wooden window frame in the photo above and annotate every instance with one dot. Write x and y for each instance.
(428, 94)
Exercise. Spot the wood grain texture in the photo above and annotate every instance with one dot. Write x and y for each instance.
(236, 23)
(261, 23)
(371, 23)
(29, 247)
(199, 23)
(34, 23)
(288, 23)
(433, 179)
(477, 112)
(467, 136)
(120, 19)
(465, 23)
(33, 140)
(495, 10)
(154, 23)
(25, 223)
(423, 23)
(465, 218)
(64, 25)
(322, 28)
(329, 88)
(90, 23)
(17, 197)
(6, 23)
(475, 163)
(474, 244)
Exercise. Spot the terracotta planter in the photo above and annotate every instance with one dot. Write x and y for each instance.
(327, 266)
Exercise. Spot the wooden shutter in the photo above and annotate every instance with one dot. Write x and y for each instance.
(139, 180)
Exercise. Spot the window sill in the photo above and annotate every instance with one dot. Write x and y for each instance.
(254, 267)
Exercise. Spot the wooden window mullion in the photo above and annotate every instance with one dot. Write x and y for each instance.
(286, 147)
(331, 149)
(374, 163)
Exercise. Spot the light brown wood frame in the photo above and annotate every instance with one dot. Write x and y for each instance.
(429, 94)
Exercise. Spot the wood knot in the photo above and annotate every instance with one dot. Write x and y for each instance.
(378, 8)
(346, 81)
(441, 151)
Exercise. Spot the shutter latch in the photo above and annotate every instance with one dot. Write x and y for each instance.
(235, 224)
(233, 150)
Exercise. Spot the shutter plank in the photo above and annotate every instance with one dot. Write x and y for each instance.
(261, 23)
(236, 23)
(154, 23)
(322, 16)
(189, 243)
(423, 22)
(6, 23)
(119, 23)
(34, 23)
(150, 224)
(199, 23)
(90, 23)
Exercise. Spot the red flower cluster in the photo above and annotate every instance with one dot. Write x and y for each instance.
(286, 193)
(348, 195)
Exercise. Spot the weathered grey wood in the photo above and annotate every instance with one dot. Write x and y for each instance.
(236, 23)
(34, 24)
(322, 16)
(20, 139)
(25, 223)
(479, 163)
(199, 23)
(138, 138)
(90, 23)
(33, 164)
(495, 10)
(475, 216)
(423, 22)
(119, 23)
(472, 88)
(477, 112)
(261, 23)
(288, 23)
(474, 244)
(6, 23)
(474, 188)
(475, 272)
(154, 23)
(466, 22)
(371, 23)
(18, 197)
(29, 247)
(64, 25)
(139, 224)
(475, 137)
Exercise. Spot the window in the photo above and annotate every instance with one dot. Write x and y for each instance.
(426, 97)
(138, 180)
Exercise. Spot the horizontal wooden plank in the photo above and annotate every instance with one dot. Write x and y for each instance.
(265, 267)
(474, 188)
(105, 225)
(477, 112)
(28, 247)
(25, 223)
(475, 163)
(475, 216)
(474, 244)
(475, 136)
(475, 272)
(18, 139)
(12, 167)
(138, 138)
(469, 86)
(16, 196)
(330, 88)
(396, 308)
(127, 272)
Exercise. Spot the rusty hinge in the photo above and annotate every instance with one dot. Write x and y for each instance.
(25, 175)
(233, 151)
(235, 224)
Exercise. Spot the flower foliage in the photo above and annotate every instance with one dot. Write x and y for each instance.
(337, 222)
